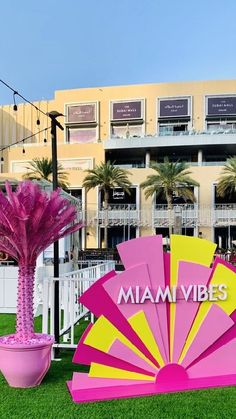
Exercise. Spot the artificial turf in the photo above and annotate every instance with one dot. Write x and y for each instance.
(52, 400)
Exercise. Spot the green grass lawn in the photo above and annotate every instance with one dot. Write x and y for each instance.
(52, 400)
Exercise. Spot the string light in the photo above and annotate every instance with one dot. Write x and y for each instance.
(45, 138)
(23, 140)
(15, 92)
(14, 100)
(38, 120)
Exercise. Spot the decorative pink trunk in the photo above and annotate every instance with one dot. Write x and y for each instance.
(25, 299)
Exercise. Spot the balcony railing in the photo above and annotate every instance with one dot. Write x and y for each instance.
(192, 215)
(162, 217)
(224, 213)
(194, 132)
(119, 214)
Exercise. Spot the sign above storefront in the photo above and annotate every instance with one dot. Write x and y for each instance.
(118, 194)
(222, 105)
(126, 110)
(172, 108)
(82, 113)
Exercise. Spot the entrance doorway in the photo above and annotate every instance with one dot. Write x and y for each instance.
(117, 234)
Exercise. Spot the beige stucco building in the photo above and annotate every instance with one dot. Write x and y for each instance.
(131, 126)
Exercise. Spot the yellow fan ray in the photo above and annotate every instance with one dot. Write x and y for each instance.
(103, 334)
(222, 275)
(140, 325)
(104, 371)
(188, 249)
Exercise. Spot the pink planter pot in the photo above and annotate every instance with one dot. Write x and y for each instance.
(25, 365)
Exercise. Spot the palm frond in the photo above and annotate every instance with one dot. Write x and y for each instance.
(227, 180)
(107, 176)
(42, 169)
(170, 177)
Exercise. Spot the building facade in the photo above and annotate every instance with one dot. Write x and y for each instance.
(132, 126)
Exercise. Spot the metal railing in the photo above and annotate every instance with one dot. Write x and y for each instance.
(149, 216)
(119, 214)
(164, 217)
(223, 213)
(71, 286)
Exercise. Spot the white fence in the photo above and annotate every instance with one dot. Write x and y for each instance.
(8, 285)
(71, 286)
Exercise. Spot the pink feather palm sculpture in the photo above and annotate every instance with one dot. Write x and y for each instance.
(31, 220)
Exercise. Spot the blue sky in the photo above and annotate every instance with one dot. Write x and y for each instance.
(49, 45)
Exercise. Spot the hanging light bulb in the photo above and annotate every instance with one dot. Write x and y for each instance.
(23, 150)
(45, 138)
(38, 120)
(14, 100)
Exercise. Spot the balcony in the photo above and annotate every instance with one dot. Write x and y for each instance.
(188, 138)
(162, 217)
(118, 215)
(192, 215)
(224, 214)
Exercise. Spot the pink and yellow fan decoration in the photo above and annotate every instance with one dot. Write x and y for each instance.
(167, 323)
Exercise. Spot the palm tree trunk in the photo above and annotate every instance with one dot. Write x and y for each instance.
(106, 197)
(169, 208)
(25, 298)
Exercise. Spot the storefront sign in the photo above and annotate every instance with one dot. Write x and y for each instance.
(81, 113)
(166, 323)
(221, 105)
(118, 194)
(127, 110)
(76, 164)
(170, 108)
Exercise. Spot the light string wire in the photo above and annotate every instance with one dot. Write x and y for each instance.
(15, 92)
(24, 139)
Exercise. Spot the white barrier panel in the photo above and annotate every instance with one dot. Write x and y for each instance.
(71, 286)
(8, 286)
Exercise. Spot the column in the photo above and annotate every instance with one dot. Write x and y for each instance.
(199, 157)
(147, 159)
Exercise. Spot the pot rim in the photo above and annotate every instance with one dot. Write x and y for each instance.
(49, 340)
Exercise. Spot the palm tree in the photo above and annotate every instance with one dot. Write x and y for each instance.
(227, 180)
(170, 178)
(107, 176)
(42, 169)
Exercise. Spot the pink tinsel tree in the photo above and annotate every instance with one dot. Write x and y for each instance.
(31, 220)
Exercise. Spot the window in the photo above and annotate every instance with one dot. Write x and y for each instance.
(82, 123)
(76, 193)
(78, 135)
(224, 126)
(173, 129)
(127, 118)
(126, 131)
(221, 113)
(174, 115)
